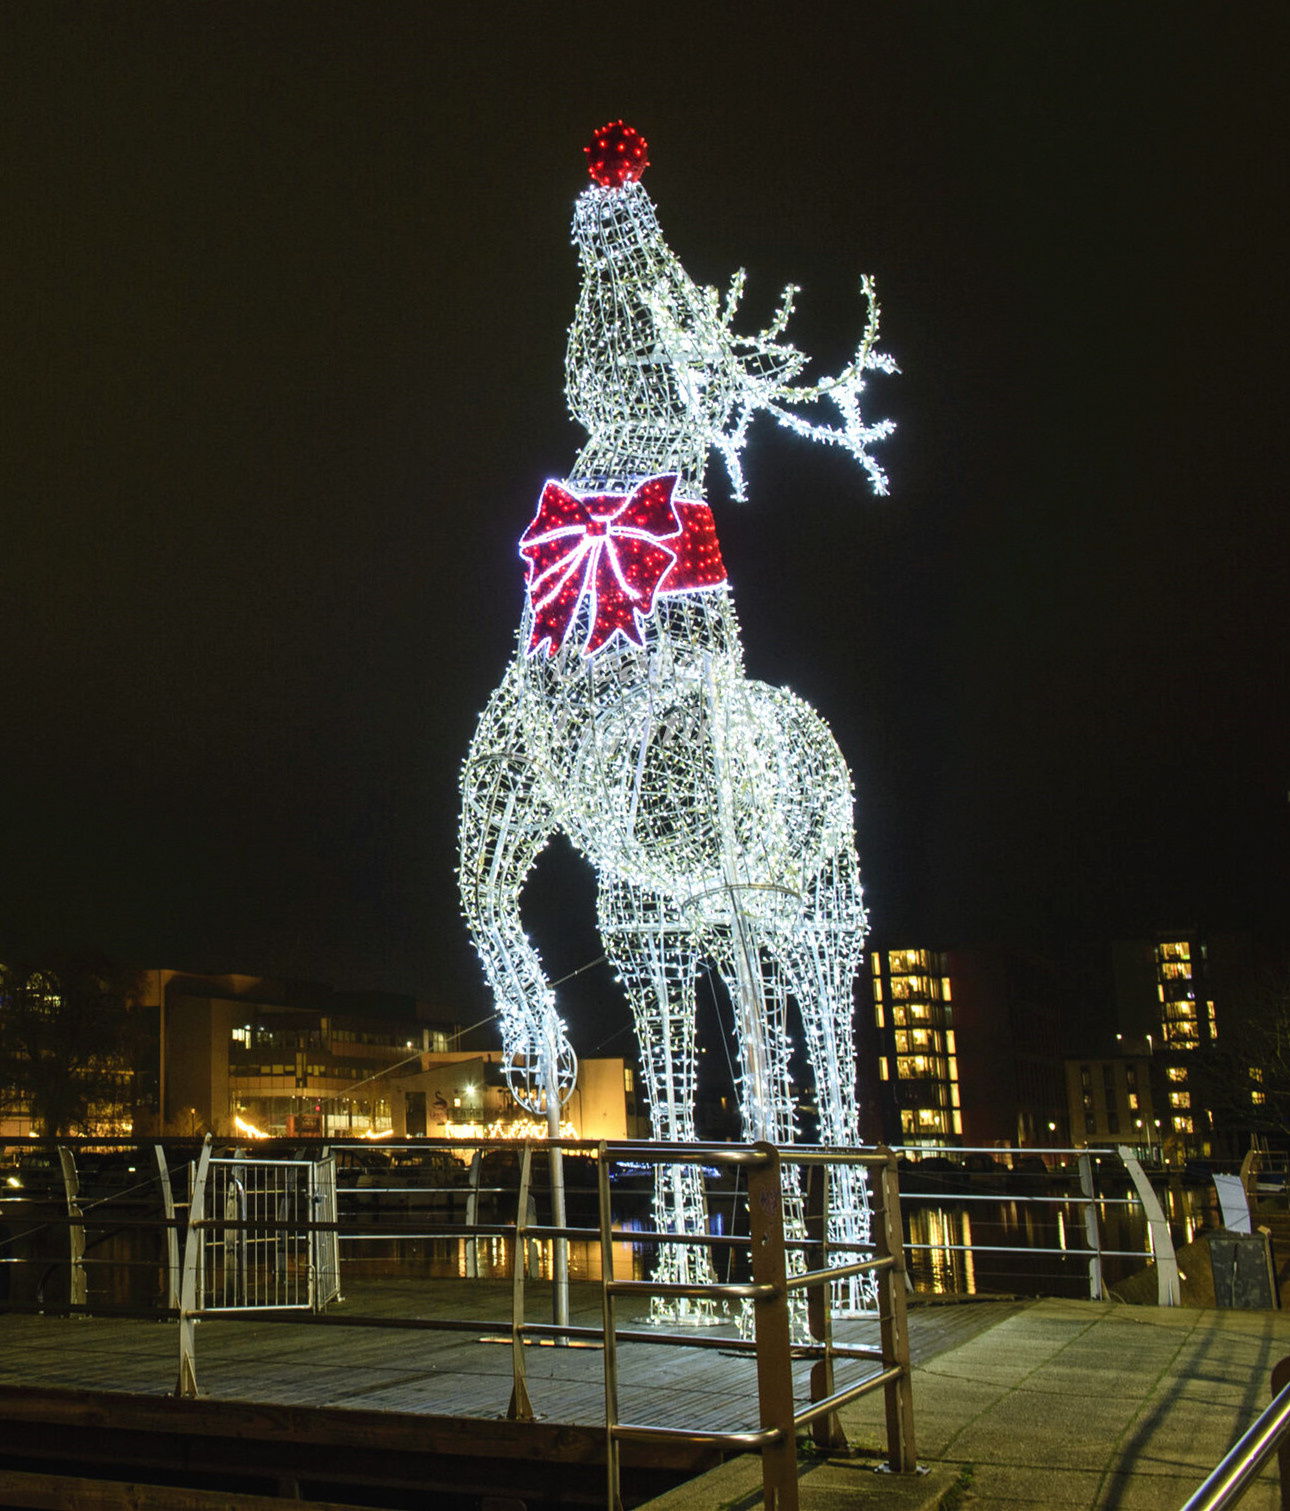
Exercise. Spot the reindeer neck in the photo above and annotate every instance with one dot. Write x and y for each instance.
(686, 634)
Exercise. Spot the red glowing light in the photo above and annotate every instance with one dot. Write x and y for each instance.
(620, 551)
(616, 155)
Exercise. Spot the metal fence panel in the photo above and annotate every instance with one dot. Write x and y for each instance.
(258, 1244)
(326, 1241)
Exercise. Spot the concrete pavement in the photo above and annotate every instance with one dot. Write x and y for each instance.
(1078, 1404)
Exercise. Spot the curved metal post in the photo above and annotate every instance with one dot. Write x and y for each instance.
(472, 1215)
(1168, 1284)
(75, 1229)
(194, 1258)
(172, 1233)
(1092, 1227)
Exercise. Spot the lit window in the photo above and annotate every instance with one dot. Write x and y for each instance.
(1180, 1098)
(1133, 1101)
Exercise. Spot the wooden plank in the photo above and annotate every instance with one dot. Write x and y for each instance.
(346, 1430)
(44, 1492)
(441, 1382)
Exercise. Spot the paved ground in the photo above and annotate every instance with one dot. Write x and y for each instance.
(1065, 1404)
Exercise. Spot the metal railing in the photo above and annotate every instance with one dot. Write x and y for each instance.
(769, 1293)
(1030, 1180)
(226, 1223)
(85, 1217)
(1239, 1468)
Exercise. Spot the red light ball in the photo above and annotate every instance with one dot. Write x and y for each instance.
(616, 155)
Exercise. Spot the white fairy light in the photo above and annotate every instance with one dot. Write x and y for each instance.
(717, 811)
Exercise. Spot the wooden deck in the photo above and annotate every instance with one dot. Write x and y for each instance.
(343, 1360)
(340, 1401)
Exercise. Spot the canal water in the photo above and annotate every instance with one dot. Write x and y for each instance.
(977, 1243)
(970, 1240)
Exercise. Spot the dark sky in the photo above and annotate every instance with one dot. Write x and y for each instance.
(285, 290)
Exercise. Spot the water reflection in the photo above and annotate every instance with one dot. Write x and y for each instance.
(487, 1258)
(1043, 1245)
(972, 1239)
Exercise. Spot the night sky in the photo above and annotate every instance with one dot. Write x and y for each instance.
(285, 292)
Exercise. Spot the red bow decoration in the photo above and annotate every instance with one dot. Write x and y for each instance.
(610, 546)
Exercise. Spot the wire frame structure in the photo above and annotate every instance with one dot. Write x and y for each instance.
(716, 810)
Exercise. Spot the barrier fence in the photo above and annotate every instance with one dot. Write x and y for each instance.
(234, 1233)
(263, 1239)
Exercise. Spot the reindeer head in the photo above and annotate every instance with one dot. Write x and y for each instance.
(654, 372)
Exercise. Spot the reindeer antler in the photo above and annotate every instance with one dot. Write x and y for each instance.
(760, 371)
(854, 435)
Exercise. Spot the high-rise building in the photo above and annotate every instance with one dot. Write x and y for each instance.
(1170, 993)
(912, 1004)
(969, 1047)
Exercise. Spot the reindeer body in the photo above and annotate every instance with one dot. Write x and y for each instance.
(716, 810)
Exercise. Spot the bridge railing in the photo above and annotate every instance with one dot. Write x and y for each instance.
(263, 1231)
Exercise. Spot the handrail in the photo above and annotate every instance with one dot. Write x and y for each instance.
(220, 1228)
(1233, 1476)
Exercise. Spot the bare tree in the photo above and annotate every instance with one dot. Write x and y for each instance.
(70, 1033)
(1247, 1072)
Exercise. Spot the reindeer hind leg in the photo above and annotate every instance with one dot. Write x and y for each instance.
(822, 954)
(653, 953)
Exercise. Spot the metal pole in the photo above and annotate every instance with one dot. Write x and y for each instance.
(902, 1457)
(559, 1246)
(771, 1331)
(826, 1431)
(75, 1228)
(520, 1408)
(613, 1487)
(1230, 1480)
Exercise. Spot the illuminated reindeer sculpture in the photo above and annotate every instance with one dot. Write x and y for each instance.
(716, 810)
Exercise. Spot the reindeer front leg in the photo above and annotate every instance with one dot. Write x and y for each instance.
(507, 819)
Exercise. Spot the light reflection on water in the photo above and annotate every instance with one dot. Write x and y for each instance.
(451, 1258)
(957, 1245)
(1023, 1247)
